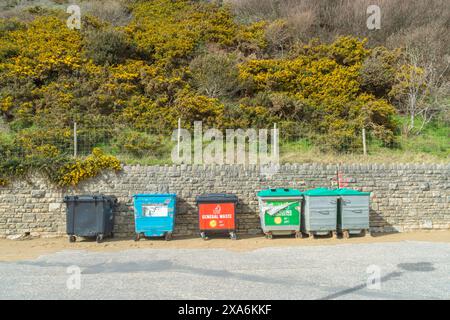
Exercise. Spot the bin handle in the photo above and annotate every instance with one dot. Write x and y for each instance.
(324, 212)
(333, 201)
(357, 211)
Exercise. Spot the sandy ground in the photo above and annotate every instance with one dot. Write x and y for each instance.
(15, 250)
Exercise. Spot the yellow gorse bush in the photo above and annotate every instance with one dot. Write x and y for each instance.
(326, 78)
(170, 31)
(46, 45)
(3, 182)
(72, 174)
(49, 77)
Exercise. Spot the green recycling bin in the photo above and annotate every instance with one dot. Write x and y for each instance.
(353, 212)
(280, 211)
(320, 212)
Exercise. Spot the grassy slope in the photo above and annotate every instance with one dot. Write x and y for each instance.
(432, 146)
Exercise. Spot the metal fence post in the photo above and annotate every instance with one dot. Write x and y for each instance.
(275, 140)
(178, 137)
(75, 140)
(364, 141)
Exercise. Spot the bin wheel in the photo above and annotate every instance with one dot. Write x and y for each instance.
(72, 238)
(366, 233)
(137, 237)
(346, 234)
(334, 234)
(99, 238)
(203, 236)
(233, 236)
(269, 235)
(298, 234)
(168, 236)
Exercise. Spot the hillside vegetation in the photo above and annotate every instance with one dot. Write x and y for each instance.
(135, 67)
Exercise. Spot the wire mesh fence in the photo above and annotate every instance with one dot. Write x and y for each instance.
(155, 146)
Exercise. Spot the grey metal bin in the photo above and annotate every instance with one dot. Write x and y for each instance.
(280, 212)
(353, 212)
(320, 212)
(90, 216)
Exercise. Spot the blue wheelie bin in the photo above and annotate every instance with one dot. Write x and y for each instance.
(154, 215)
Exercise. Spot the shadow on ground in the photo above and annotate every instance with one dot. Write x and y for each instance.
(404, 267)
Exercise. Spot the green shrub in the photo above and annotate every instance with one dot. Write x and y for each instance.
(140, 144)
(8, 25)
(378, 71)
(216, 75)
(108, 47)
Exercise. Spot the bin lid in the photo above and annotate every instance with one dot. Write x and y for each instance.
(321, 192)
(154, 195)
(216, 198)
(273, 193)
(89, 198)
(351, 192)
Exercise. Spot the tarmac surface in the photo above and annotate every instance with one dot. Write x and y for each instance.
(387, 270)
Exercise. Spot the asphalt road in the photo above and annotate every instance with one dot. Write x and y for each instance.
(407, 270)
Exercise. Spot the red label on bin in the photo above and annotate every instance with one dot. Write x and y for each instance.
(216, 216)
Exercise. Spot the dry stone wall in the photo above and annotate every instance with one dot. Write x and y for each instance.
(404, 197)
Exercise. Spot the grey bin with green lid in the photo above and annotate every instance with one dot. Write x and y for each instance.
(320, 212)
(280, 211)
(353, 212)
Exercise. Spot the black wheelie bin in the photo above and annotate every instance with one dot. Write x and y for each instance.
(90, 216)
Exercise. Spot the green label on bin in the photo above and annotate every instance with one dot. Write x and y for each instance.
(282, 213)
